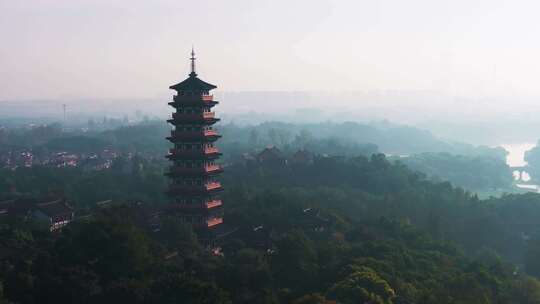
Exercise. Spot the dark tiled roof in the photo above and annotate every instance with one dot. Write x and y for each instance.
(270, 153)
(302, 153)
(54, 208)
(193, 83)
(21, 207)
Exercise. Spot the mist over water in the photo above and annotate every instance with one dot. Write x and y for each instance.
(516, 153)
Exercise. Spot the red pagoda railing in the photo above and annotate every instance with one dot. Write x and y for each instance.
(193, 134)
(207, 205)
(194, 99)
(211, 168)
(209, 115)
(193, 116)
(196, 170)
(213, 185)
(193, 152)
(211, 150)
(214, 221)
(213, 204)
(210, 133)
(195, 188)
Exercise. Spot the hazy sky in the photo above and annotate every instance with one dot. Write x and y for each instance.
(98, 48)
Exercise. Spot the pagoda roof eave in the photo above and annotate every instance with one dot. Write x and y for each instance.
(193, 83)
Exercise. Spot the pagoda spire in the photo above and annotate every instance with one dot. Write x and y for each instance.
(193, 73)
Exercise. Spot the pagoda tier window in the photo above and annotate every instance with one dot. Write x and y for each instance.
(189, 128)
(190, 201)
(190, 146)
(186, 93)
(190, 181)
(190, 164)
(190, 110)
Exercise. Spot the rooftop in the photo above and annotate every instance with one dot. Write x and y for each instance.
(193, 83)
(54, 208)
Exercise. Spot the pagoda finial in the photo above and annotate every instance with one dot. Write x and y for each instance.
(193, 73)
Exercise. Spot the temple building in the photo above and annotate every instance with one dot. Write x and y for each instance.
(194, 188)
(55, 213)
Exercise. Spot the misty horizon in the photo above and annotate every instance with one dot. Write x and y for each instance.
(101, 49)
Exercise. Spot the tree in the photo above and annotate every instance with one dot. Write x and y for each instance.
(312, 298)
(2, 299)
(112, 243)
(526, 291)
(179, 236)
(253, 140)
(295, 262)
(72, 284)
(532, 157)
(274, 136)
(303, 138)
(180, 288)
(362, 285)
(248, 275)
(532, 262)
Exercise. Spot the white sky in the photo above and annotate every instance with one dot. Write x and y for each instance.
(137, 48)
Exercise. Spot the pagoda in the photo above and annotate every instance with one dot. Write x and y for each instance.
(194, 188)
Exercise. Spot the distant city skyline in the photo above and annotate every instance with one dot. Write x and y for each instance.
(118, 49)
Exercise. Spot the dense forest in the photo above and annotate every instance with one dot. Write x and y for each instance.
(351, 230)
(476, 172)
(348, 226)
